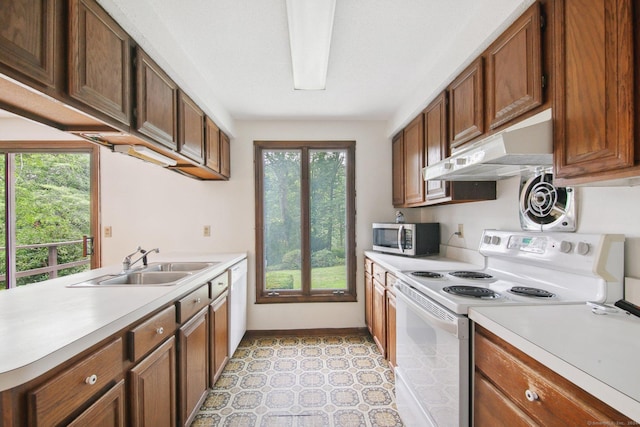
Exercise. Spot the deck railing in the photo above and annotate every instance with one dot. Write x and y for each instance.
(52, 266)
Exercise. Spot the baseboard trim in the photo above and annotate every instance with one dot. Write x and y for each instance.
(307, 332)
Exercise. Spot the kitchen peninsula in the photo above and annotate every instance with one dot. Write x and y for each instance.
(67, 348)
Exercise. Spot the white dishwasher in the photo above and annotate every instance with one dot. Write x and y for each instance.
(237, 305)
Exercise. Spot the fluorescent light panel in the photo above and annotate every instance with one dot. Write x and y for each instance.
(310, 28)
(146, 154)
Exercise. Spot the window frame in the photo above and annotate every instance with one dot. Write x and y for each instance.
(306, 294)
(59, 146)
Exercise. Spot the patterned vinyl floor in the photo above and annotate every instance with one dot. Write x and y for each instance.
(308, 381)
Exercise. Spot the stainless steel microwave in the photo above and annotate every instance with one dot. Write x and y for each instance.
(407, 239)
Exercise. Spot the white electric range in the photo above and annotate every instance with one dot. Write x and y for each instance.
(521, 267)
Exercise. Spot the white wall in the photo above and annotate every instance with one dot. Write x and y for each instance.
(599, 210)
(148, 206)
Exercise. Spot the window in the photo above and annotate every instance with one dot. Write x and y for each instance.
(305, 221)
(48, 194)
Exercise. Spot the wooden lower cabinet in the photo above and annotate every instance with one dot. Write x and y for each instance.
(152, 385)
(58, 399)
(511, 388)
(218, 337)
(391, 328)
(192, 366)
(379, 317)
(368, 301)
(108, 411)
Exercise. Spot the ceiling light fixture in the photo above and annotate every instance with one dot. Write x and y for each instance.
(146, 154)
(310, 28)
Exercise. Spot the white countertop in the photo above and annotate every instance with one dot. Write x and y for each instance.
(599, 353)
(45, 324)
(396, 263)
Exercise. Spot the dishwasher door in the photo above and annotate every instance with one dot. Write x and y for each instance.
(237, 305)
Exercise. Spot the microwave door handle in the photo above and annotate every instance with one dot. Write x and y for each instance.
(400, 233)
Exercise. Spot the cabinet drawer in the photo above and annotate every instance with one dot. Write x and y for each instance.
(219, 285)
(391, 280)
(379, 274)
(152, 332)
(368, 266)
(557, 401)
(59, 397)
(192, 303)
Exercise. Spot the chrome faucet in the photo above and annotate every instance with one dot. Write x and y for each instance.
(127, 263)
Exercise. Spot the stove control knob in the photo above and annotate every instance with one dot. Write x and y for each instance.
(565, 247)
(495, 240)
(487, 239)
(583, 248)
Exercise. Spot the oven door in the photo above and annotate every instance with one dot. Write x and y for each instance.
(432, 382)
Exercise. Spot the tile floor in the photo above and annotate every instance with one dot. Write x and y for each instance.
(303, 381)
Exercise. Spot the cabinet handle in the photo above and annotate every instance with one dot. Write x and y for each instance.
(197, 301)
(532, 396)
(91, 380)
(160, 330)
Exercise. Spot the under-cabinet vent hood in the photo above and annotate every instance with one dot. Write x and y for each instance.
(523, 147)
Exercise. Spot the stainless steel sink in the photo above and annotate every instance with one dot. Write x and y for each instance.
(179, 266)
(146, 278)
(138, 278)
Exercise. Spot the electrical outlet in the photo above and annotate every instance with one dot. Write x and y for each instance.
(107, 231)
(460, 231)
(206, 232)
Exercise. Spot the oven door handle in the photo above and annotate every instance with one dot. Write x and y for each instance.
(447, 326)
(400, 232)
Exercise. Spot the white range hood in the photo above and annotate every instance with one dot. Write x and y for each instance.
(526, 146)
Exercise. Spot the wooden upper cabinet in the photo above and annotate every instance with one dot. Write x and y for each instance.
(99, 69)
(466, 105)
(156, 102)
(225, 155)
(190, 128)
(27, 39)
(212, 145)
(414, 161)
(435, 142)
(593, 101)
(514, 70)
(397, 165)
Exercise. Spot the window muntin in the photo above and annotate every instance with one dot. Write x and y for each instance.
(305, 216)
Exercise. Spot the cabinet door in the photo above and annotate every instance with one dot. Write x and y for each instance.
(218, 337)
(190, 128)
(225, 155)
(593, 105)
(153, 388)
(368, 301)
(435, 141)
(212, 145)
(108, 411)
(391, 329)
(157, 102)
(466, 105)
(397, 169)
(27, 38)
(99, 61)
(414, 162)
(514, 70)
(379, 317)
(192, 366)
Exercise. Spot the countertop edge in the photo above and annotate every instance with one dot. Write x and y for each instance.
(33, 369)
(609, 395)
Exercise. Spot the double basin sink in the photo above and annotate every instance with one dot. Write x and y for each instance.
(154, 274)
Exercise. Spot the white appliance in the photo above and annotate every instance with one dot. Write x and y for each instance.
(526, 268)
(237, 305)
